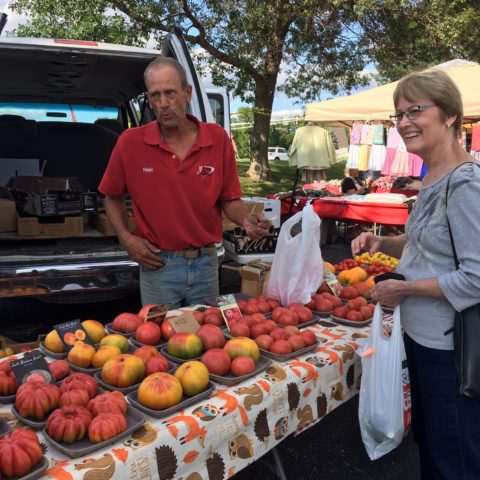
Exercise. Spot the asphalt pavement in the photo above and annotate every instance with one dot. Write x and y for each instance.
(330, 450)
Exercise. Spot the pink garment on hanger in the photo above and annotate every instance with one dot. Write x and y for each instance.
(389, 158)
(356, 133)
(393, 138)
(415, 164)
(475, 138)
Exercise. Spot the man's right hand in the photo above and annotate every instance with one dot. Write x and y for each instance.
(366, 242)
(142, 251)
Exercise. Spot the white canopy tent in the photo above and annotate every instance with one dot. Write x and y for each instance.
(377, 103)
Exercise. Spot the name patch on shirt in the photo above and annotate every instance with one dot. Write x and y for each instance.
(147, 169)
(205, 170)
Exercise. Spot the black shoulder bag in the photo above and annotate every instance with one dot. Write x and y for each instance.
(466, 336)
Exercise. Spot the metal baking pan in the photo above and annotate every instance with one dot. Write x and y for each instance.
(46, 351)
(80, 448)
(164, 352)
(89, 371)
(124, 390)
(185, 402)
(351, 323)
(289, 356)
(230, 379)
(109, 329)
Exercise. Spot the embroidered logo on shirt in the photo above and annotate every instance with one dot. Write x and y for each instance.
(147, 169)
(205, 170)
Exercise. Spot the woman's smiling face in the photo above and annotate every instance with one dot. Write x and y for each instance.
(424, 133)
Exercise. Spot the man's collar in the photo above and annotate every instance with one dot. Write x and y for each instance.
(153, 133)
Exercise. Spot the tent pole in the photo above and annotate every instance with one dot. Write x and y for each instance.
(295, 182)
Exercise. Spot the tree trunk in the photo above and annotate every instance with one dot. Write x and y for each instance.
(262, 112)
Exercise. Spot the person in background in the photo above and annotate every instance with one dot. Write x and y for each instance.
(446, 425)
(181, 175)
(352, 185)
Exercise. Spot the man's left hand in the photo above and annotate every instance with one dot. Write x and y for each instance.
(257, 226)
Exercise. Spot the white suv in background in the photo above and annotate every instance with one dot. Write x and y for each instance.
(277, 153)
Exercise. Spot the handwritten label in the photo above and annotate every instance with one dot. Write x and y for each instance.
(31, 364)
(71, 332)
(184, 323)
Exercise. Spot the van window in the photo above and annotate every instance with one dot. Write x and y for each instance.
(216, 104)
(54, 112)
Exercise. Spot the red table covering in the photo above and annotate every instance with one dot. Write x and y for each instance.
(382, 213)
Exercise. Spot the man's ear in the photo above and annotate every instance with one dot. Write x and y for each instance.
(188, 92)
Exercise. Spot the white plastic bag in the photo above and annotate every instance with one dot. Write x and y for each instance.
(384, 404)
(297, 268)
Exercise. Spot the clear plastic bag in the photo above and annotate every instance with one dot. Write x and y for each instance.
(297, 269)
(384, 405)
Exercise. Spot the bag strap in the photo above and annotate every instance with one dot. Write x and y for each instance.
(446, 213)
(454, 251)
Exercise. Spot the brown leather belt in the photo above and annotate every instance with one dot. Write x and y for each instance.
(192, 253)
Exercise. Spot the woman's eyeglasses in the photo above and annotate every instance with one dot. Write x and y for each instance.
(412, 113)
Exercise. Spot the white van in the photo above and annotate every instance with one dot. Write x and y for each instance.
(63, 105)
(277, 153)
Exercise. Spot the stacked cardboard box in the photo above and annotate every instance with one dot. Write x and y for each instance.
(254, 278)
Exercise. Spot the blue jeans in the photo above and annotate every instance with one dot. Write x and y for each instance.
(446, 425)
(180, 282)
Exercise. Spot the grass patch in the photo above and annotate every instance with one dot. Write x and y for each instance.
(283, 176)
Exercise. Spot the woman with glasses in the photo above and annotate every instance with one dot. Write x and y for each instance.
(446, 425)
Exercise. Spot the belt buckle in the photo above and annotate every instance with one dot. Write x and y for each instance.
(191, 254)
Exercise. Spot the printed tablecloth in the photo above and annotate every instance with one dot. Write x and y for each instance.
(218, 437)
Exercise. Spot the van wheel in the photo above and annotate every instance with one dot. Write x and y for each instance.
(277, 159)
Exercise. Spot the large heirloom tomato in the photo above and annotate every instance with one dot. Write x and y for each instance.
(82, 381)
(105, 426)
(69, 424)
(123, 370)
(19, 453)
(36, 399)
(78, 397)
(159, 391)
(8, 382)
(108, 402)
(59, 369)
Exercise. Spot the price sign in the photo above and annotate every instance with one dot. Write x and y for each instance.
(184, 323)
(156, 311)
(30, 365)
(229, 308)
(70, 332)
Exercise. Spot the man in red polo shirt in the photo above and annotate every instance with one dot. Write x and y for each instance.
(181, 174)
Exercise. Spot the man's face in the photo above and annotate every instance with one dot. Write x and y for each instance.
(166, 96)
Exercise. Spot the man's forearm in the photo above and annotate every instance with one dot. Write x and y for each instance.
(117, 214)
(236, 211)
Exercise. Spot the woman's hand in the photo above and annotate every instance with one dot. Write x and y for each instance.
(366, 241)
(389, 292)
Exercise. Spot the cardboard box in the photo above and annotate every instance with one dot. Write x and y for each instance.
(269, 207)
(50, 196)
(34, 226)
(8, 215)
(19, 347)
(237, 242)
(100, 222)
(253, 207)
(254, 278)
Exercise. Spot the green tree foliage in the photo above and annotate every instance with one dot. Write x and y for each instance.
(321, 45)
(243, 44)
(403, 35)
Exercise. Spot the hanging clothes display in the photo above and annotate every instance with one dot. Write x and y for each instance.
(354, 149)
(399, 162)
(312, 151)
(366, 141)
(475, 145)
(378, 151)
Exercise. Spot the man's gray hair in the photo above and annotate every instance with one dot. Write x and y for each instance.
(160, 62)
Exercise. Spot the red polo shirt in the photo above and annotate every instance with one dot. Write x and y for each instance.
(176, 205)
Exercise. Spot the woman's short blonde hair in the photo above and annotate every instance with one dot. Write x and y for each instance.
(434, 85)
